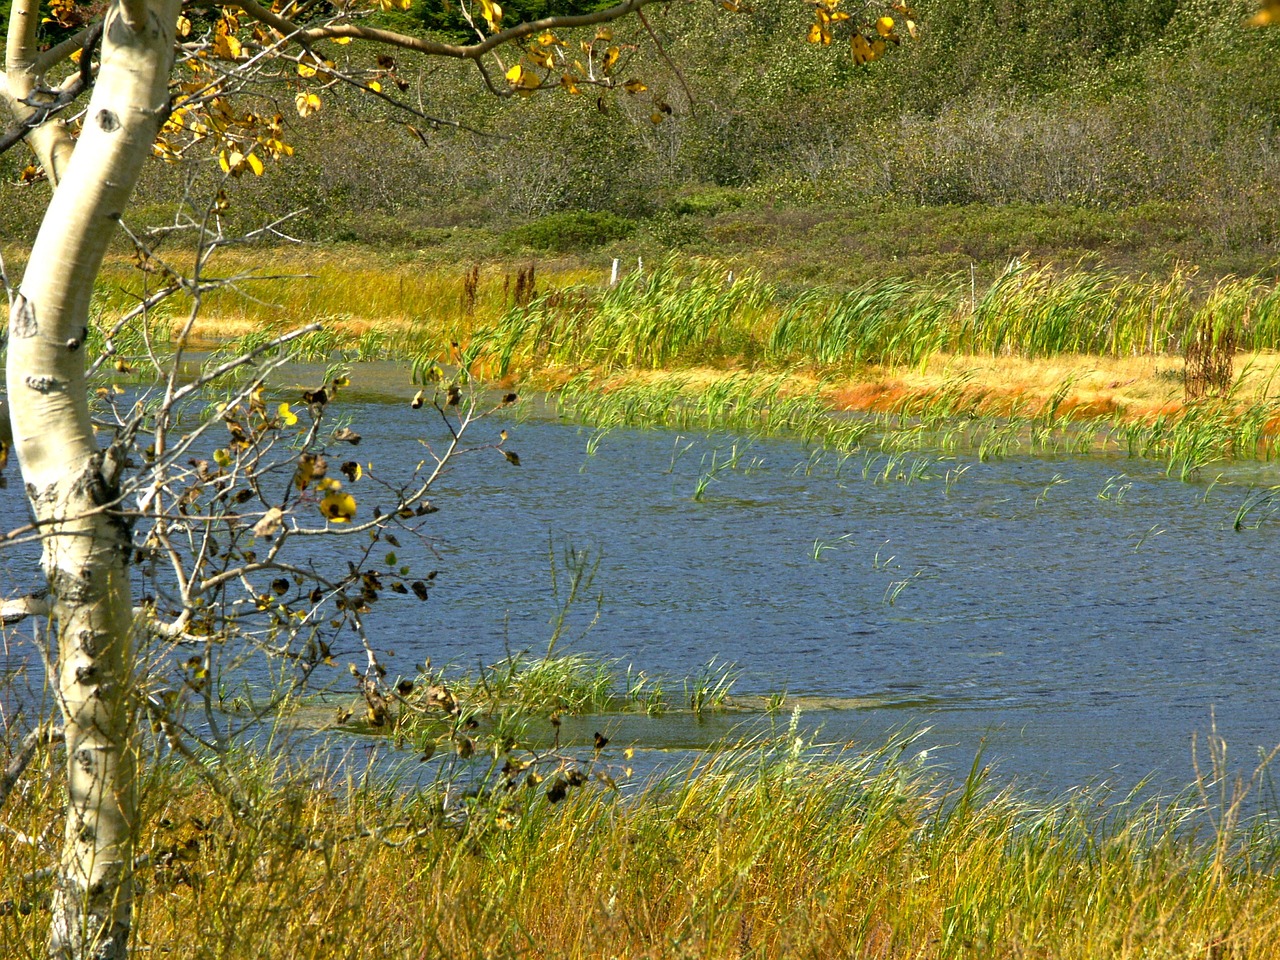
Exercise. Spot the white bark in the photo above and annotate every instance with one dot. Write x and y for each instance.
(69, 481)
(50, 142)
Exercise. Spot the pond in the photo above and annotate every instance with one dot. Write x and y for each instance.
(1076, 620)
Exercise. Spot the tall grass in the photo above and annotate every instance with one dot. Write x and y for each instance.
(688, 312)
(646, 321)
(888, 322)
(772, 345)
(771, 850)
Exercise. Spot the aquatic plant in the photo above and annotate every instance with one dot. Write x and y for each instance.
(709, 690)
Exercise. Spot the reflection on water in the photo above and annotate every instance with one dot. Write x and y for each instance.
(1075, 626)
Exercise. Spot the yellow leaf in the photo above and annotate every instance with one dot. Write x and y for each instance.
(310, 467)
(861, 50)
(329, 485)
(307, 103)
(306, 70)
(226, 46)
(222, 457)
(815, 33)
(656, 116)
(287, 415)
(634, 86)
(338, 507)
(567, 82)
(492, 14)
(610, 58)
(255, 164)
(341, 40)
(605, 34)
(884, 26)
(375, 86)
(514, 75)
(184, 26)
(1268, 16)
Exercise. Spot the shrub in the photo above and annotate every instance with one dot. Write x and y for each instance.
(571, 230)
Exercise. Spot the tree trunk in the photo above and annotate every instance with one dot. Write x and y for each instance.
(69, 480)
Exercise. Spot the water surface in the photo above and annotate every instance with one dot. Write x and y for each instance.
(1078, 619)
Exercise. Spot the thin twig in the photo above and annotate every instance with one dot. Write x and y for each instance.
(662, 51)
(32, 742)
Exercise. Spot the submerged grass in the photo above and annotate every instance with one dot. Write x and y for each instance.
(769, 850)
(954, 416)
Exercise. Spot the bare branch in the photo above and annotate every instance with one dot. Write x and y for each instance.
(50, 103)
(244, 359)
(435, 48)
(662, 51)
(17, 609)
(46, 60)
(30, 744)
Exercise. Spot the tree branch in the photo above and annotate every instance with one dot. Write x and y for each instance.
(20, 47)
(134, 14)
(18, 609)
(46, 60)
(662, 50)
(474, 51)
(30, 744)
(67, 94)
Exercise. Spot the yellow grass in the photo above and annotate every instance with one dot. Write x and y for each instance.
(418, 310)
(757, 853)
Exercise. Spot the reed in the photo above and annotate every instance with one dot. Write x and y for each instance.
(637, 353)
(689, 312)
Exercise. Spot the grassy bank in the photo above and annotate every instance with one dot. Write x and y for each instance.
(762, 851)
(525, 316)
(1180, 366)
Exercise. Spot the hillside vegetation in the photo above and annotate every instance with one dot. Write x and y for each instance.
(1132, 135)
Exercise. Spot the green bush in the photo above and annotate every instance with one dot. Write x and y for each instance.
(707, 202)
(571, 230)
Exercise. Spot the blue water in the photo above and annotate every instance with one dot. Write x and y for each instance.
(1070, 637)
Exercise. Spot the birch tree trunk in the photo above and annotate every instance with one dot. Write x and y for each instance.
(72, 484)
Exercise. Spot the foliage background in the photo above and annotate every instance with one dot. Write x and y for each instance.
(1134, 134)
